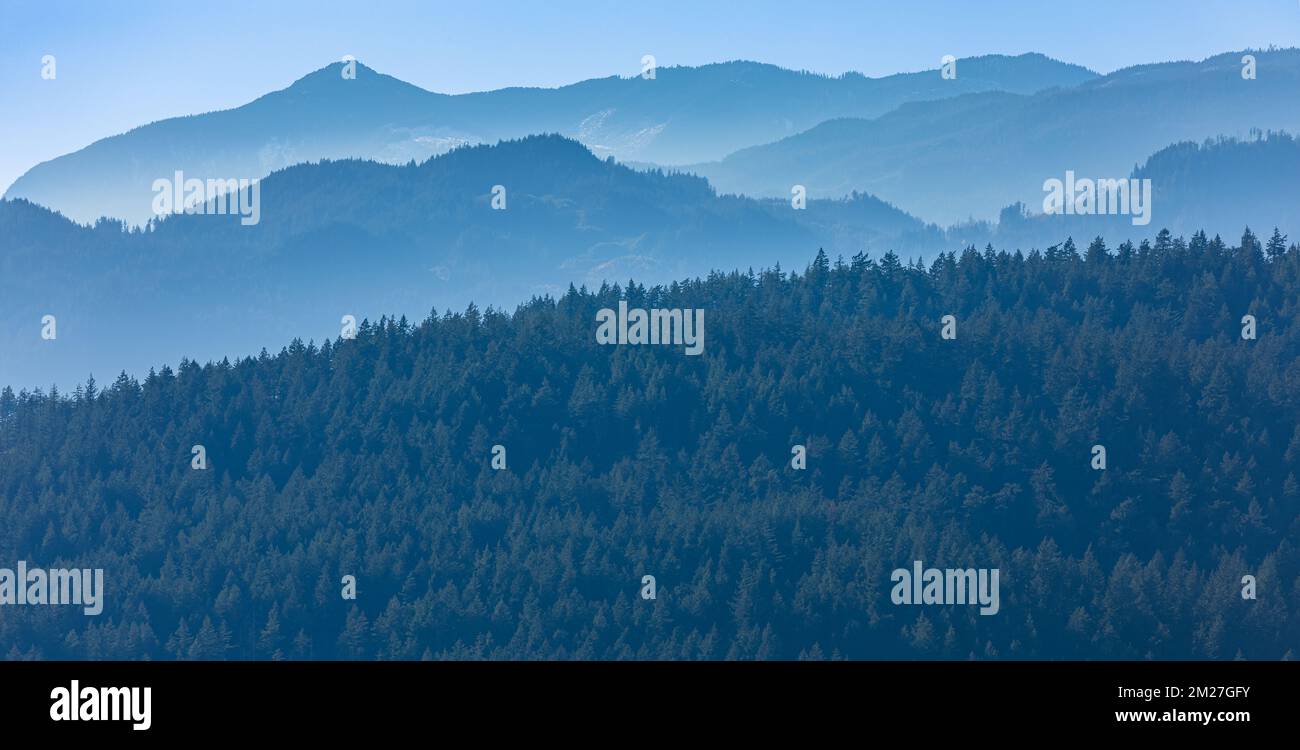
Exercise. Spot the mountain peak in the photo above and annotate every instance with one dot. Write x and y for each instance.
(333, 77)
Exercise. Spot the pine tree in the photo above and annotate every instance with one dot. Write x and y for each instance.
(1276, 246)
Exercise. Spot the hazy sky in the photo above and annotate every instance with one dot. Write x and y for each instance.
(123, 63)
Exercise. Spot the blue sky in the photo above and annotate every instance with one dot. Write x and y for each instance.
(125, 63)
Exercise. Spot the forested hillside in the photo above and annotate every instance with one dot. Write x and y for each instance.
(372, 457)
(360, 238)
(367, 239)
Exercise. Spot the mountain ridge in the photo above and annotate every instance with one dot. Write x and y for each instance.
(367, 238)
(968, 156)
(684, 113)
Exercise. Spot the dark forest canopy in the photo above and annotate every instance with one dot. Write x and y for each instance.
(371, 457)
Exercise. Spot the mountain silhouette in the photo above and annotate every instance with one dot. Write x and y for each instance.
(401, 232)
(364, 238)
(969, 156)
(683, 115)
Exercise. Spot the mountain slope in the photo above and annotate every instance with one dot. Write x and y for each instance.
(683, 115)
(1225, 184)
(1220, 187)
(969, 156)
(363, 238)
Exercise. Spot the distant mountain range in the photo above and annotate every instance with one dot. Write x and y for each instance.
(945, 150)
(683, 115)
(969, 156)
(399, 232)
(362, 238)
